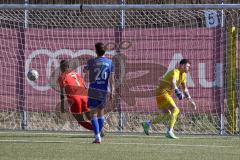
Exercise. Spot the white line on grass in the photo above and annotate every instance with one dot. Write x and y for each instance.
(116, 143)
(79, 134)
(113, 134)
(179, 145)
(32, 141)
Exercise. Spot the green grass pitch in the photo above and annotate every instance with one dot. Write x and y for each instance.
(77, 146)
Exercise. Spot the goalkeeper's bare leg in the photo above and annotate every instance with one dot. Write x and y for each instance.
(81, 121)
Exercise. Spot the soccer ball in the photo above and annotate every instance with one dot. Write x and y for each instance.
(32, 75)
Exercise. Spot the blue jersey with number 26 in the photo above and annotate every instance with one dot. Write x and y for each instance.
(99, 72)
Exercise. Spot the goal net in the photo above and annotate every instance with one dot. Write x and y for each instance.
(143, 43)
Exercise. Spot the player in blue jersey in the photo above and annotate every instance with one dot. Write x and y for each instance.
(101, 73)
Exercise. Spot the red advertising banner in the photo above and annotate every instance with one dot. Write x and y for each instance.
(152, 52)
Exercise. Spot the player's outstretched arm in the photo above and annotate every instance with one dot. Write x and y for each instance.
(62, 100)
(86, 68)
(177, 91)
(187, 96)
(192, 103)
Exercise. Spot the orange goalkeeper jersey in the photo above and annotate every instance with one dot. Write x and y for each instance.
(73, 83)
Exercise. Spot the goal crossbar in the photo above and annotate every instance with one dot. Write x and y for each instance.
(116, 6)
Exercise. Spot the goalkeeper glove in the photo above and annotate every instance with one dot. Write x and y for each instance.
(178, 94)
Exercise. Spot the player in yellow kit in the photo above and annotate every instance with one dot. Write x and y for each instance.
(168, 85)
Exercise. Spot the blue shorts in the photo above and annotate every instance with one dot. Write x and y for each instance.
(97, 98)
(96, 103)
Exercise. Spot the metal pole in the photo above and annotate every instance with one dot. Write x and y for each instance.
(119, 65)
(21, 68)
(117, 6)
(26, 14)
(222, 132)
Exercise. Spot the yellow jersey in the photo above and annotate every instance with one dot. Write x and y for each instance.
(165, 85)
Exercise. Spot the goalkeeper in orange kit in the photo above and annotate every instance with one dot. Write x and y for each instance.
(169, 85)
(73, 87)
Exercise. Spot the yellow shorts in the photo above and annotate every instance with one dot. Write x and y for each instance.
(164, 101)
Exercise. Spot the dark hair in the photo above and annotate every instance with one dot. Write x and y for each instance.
(184, 61)
(100, 49)
(64, 64)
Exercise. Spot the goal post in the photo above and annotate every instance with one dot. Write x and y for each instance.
(116, 6)
(232, 77)
(144, 41)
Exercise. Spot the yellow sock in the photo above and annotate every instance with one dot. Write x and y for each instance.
(162, 118)
(174, 115)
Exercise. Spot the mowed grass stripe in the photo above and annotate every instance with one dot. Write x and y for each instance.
(113, 143)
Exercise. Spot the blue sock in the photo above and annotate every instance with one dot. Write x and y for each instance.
(95, 125)
(101, 123)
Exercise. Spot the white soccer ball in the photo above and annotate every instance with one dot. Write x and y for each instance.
(32, 75)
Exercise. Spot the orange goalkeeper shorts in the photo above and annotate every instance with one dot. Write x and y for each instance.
(78, 104)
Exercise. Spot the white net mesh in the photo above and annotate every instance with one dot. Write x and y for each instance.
(144, 45)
